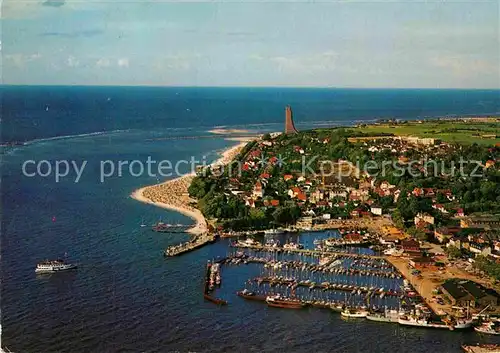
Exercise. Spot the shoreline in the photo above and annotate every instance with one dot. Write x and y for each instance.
(173, 194)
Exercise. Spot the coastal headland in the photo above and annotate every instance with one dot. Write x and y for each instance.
(173, 194)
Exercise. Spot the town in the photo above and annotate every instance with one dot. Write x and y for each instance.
(436, 223)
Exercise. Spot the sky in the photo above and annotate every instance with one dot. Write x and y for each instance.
(365, 44)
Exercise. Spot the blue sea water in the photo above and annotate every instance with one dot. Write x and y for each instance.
(125, 297)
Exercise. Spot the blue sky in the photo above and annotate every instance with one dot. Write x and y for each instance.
(407, 44)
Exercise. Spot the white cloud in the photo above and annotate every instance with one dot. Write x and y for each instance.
(316, 62)
(123, 62)
(19, 60)
(463, 65)
(72, 61)
(103, 62)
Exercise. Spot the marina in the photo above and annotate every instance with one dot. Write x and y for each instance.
(354, 281)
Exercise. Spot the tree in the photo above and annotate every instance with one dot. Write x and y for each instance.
(397, 218)
(286, 215)
(453, 252)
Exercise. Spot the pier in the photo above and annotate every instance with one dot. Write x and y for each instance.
(306, 266)
(194, 243)
(309, 252)
(326, 286)
(212, 278)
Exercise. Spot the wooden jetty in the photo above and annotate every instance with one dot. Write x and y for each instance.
(195, 243)
(325, 286)
(206, 288)
(288, 265)
(309, 252)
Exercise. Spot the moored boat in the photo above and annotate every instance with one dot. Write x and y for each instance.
(215, 300)
(489, 328)
(247, 243)
(245, 293)
(408, 320)
(354, 313)
(278, 301)
(385, 316)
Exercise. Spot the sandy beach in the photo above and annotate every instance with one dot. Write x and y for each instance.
(221, 131)
(173, 194)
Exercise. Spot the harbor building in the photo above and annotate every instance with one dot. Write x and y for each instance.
(465, 292)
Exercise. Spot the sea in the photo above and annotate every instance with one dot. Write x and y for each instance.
(125, 296)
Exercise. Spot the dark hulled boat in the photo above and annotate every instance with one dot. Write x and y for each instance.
(287, 303)
(215, 300)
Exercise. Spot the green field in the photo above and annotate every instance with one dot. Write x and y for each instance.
(465, 132)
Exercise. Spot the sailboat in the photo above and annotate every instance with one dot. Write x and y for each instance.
(142, 223)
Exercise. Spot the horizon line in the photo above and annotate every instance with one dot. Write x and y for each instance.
(254, 87)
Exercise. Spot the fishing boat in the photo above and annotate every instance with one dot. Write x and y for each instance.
(50, 266)
(385, 316)
(277, 301)
(408, 320)
(489, 328)
(354, 313)
(245, 293)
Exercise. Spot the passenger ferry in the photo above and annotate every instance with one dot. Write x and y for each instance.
(49, 266)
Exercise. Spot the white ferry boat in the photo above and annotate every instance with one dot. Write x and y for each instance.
(49, 266)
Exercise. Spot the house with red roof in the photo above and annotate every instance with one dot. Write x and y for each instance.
(440, 208)
(489, 163)
(258, 190)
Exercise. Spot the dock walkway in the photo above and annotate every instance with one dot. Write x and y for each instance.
(335, 254)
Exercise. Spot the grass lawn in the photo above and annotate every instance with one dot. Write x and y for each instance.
(456, 131)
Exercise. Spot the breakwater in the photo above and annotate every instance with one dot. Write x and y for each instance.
(194, 243)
